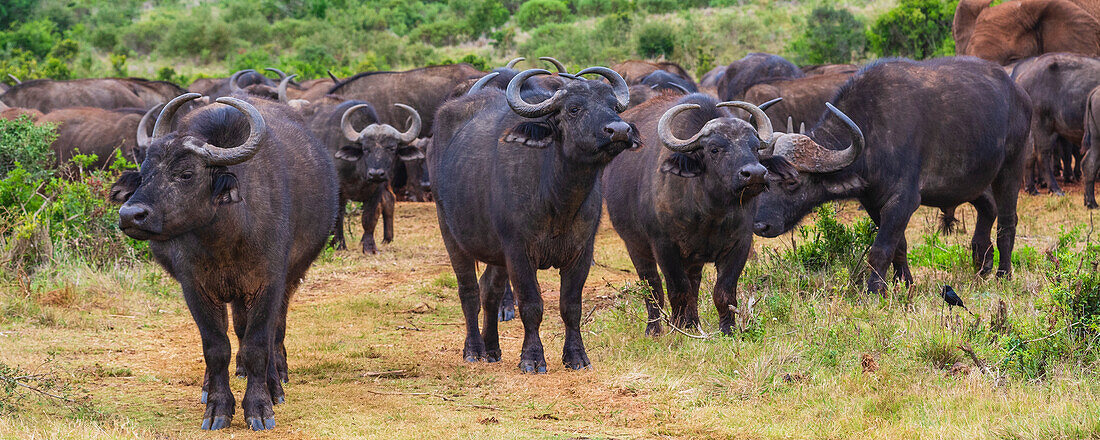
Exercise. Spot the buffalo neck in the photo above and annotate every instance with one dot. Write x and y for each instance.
(566, 184)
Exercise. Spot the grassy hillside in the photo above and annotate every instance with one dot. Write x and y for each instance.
(180, 40)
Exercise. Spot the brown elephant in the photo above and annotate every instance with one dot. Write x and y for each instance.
(1015, 30)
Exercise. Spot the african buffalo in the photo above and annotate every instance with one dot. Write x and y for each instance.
(1058, 84)
(753, 69)
(187, 202)
(365, 159)
(47, 95)
(90, 130)
(938, 133)
(662, 80)
(423, 89)
(803, 98)
(689, 203)
(239, 80)
(516, 186)
(1091, 146)
(634, 70)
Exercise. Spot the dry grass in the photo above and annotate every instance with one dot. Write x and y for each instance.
(127, 340)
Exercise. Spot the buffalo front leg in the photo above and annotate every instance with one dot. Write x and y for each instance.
(210, 318)
(264, 384)
(893, 218)
(494, 281)
(573, 354)
(525, 284)
(388, 202)
(901, 262)
(371, 209)
(729, 268)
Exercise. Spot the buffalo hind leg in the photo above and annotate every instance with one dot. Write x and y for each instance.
(240, 324)
(338, 229)
(525, 284)
(1091, 169)
(507, 310)
(210, 318)
(729, 268)
(981, 248)
(1006, 188)
(646, 267)
(493, 283)
(678, 288)
(573, 354)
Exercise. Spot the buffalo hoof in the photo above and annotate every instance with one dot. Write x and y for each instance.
(1091, 205)
(370, 249)
(278, 400)
(241, 372)
(492, 356)
(339, 245)
(474, 354)
(215, 423)
(530, 366)
(507, 312)
(653, 329)
(1057, 192)
(575, 360)
(202, 397)
(256, 424)
(387, 240)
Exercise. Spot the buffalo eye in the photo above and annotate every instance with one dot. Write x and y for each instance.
(790, 184)
(713, 151)
(574, 109)
(187, 175)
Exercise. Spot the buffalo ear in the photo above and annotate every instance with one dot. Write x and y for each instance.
(125, 186)
(225, 188)
(779, 166)
(409, 152)
(350, 153)
(531, 134)
(845, 185)
(683, 165)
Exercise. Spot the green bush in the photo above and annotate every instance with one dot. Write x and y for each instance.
(13, 10)
(36, 37)
(915, 29)
(831, 36)
(828, 241)
(25, 145)
(656, 39)
(602, 7)
(442, 33)
(535, 13)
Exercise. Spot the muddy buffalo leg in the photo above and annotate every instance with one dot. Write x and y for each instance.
(894, 217)
(525, 283)
(646, 267)
(210, 318)
(494, 281)
(573, 355)
(259, 355)
(678, 285)
(729, 268)
(981, 247)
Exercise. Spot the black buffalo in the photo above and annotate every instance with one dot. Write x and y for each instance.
(1091, 146)
(236, 203)
(690, 203)
(516, 187)
(753, 69)
(938, 133)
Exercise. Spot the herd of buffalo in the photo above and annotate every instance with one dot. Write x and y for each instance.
(244, 180)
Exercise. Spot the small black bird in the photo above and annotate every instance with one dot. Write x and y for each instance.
(952, 299)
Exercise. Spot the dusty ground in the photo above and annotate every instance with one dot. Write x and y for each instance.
(375, 352)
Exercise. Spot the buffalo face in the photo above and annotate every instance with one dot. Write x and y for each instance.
(806, 174)
(375, 148)
(583, 115)
(183, 179)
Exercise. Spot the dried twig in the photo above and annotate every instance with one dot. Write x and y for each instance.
(438, 396)
(977, 361)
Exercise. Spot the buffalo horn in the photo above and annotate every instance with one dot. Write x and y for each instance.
(481, 82)
(525, 109)
(807, 155)
(557, 64)
(414, 129)
(345, 123)
(218, 156)
(664, 130)
(618, 85)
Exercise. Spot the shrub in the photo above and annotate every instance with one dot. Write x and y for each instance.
(828, 241)
(12, 10)
(540, 12)
(484, 15)
(656, 39)
(442, 33)
(916, 29)
(36, 37)
(603, 7)
(22, 142)
(831, 36)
